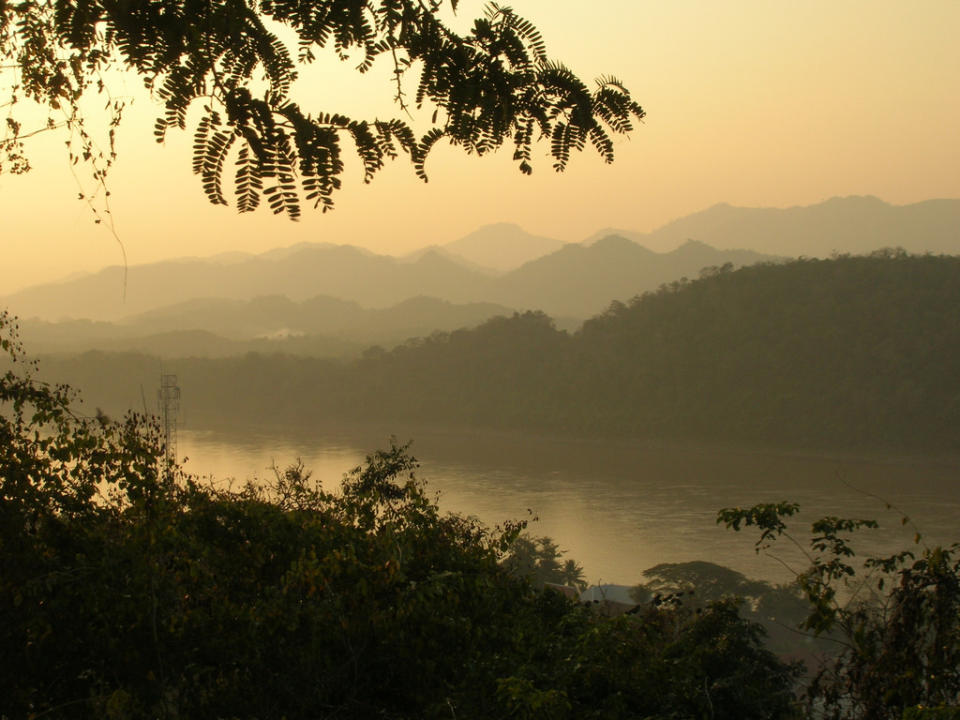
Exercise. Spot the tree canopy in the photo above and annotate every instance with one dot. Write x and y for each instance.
(127, 591)
(895, 620)
(237, 59)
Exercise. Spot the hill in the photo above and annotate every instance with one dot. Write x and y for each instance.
(582, 280)
(838, 225)
(571, 283)
(849, 353)
(502, 246)
(505, 265)
(302, 272)
(219, 327)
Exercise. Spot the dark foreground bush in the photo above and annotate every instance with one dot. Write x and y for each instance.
(895, 620)
(130, 591)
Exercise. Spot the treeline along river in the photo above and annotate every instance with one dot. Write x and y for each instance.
(847, 355)
(814, 359)
(619, 507)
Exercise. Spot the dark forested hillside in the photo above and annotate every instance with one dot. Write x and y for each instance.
(853, 352)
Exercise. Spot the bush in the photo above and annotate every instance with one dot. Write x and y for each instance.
(129, 591)
(899, 646)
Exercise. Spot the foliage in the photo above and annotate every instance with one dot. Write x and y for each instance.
(663, 662)
(779, 609)
(539, 559)
(938, 713)
(900, 643)
(126, 592)
(492, 86)
(707, 581)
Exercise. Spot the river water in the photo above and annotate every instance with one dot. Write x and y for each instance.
(619, 507)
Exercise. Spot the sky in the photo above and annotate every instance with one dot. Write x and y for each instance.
(758, 103)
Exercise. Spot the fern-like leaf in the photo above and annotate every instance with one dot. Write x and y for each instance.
(211, 173)
(423, 149)
(248, 181)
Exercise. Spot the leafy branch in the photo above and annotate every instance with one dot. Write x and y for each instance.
(492, 85)
(901, 645)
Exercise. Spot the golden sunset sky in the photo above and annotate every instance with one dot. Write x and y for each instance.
(751, 102)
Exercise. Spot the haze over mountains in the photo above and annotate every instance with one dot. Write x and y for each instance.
(576, 280)
(502, 246)
(856, 350)
(219, 327)
(856, 224)
(328, 299)
(846, 353)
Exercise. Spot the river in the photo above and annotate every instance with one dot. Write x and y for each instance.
(618, 507)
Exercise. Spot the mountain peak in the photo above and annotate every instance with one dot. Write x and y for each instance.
(691, 244)
(615, 242)
(434, 256)
(502, 246)
(863, 200)
(852, 224)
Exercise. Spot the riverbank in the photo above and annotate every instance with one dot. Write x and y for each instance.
(618, 508)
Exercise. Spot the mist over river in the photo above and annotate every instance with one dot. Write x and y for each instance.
(619, 508)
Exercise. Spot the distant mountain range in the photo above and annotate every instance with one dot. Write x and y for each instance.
(498, 264)
(582, 280)
(219, 327)
(299, 273)
(574, 282)
(502, 247)
(856, 225)
(849, 354)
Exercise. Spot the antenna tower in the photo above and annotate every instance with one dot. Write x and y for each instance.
(168, 397)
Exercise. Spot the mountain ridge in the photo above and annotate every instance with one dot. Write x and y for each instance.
(502, 247)
(853, 224)
(852, 353)
(574, 280)
(217, 327)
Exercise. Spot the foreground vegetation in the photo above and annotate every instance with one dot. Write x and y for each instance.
(130, 591)
(853, 353)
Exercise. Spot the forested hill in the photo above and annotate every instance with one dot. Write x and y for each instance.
(853, 352)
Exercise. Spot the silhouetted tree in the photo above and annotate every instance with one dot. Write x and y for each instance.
(896, 619)
(540, 560)
(491, 86)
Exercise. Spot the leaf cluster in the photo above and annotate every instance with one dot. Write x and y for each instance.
(895, 620)
(540, 560)
(778, 609)
(492, 85)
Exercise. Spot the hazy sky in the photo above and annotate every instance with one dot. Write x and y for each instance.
(751, 102)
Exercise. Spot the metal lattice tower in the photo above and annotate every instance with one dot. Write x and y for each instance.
(168, 398)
